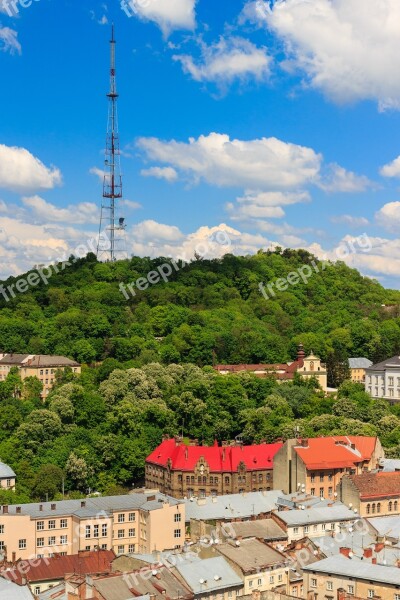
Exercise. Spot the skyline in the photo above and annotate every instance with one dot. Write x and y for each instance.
(276, 134)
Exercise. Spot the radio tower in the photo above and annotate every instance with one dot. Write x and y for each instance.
(111, 232)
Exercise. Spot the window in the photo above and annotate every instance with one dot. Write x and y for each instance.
(22, 544)
(52, 540)
(103, 546)
(227, 480)
(132, 533)
(121, 518)
(312, 491)
(368, 509)
(396, 597)
(271, 579)
(371, 593)
(330, 477)
(8, 482)
(104, 530)
(321, 477)
(87, 531)
(177, 533)
(390, 506)
(63, 539)
(95, 531)
(313, 583)
(132, 517)
(321, 492)
(1, 528)
(280, 577)
(313, 478)
(395, 506)
(178, 518)
(131, 548)
(37, 590)
(329, 585)
(40, 542)
(294, 591)
(121, 549)
(121, 533)
(315, 528)
(295, 530)
(251, 583)
(323, 526)
(52, 524)
(63, 523)
(306, 529)
(259, 582)
(350, 589)
(330, 491)
(378, 507)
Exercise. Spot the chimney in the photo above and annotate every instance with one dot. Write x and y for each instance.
(53, 507)
(345, 552)
(41, 507)
(374, 561)
(379, 547)
(13, 557)
(304, 442)
(367, 552)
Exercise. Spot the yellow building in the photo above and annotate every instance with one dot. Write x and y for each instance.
(140, 522)
(42, 366)
(357, 368)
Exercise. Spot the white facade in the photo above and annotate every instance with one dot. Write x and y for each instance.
(383, 380)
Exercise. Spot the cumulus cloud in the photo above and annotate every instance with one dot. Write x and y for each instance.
(174, 14)
(388, 216)
(130, 204)
(9, 40)
(167, 173)
(346, 48)
(339, 179)
(227, 60)
(265, 164)
(391, 169)
(98, 172)
(263, 205)
(84, 212)
(20, 171)
(350, 220)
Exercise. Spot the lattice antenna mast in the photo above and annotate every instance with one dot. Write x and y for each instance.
(112, 183)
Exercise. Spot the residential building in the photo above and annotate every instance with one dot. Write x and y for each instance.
(372, 493)
(342, 578)
(183, 470)
(42, 575)
(210, 578)
(12, 591)
(316, 465)
(260, 565)
(7, 477)
(306, 366)
(357, 368)
(387, 529)
(133, 523)
(314, 522)
(388, 465)
(266, 530)
(42, 366)
(382, 380)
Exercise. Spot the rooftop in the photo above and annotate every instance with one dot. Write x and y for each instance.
(209, 575)
(386, 526)
(232, 506)
(335, 452)
(12, 591)
(6, 471)
(359, 363)
(91, 507)
(37, 360)
(337, 512)
(266, 529)
(345, 567)
(250, 555)
(219, 459)
(393, 362)
(377, 485)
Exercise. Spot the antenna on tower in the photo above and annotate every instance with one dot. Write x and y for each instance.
(111, 227)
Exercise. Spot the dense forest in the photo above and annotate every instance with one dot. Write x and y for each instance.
(148, 364)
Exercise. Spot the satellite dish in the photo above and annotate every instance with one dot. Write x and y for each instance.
(201, 581)
(237, 543)
(154, 572)
(217, 577)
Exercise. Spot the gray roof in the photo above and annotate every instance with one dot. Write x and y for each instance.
(11, 591)
(232, 506)
(266, 529)
(94, 506)
(251, 554)
(345, 567)
(113, 588)
(389, 465)
(338, 512)
(38, 360)
(385, 364)
(359, 363)
(216, 573)
(57, 592)
(6, 471)
(386, 526)
(356, 540)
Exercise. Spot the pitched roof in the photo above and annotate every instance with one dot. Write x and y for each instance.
(377, 485)
(215, 573)
(6, 471)
(336, 452)
(266, 529)
(250, 555)
(359, 363)
(341, 566)
(11, 591)
(386, 364)
(219, 459)
(279, 370)
(58, 566)
(232, 506)
(309, 516)
(37, 360)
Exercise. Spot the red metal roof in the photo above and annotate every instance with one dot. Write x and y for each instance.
(55, 568)
(336, 452)
(219, 459)
(279, 371)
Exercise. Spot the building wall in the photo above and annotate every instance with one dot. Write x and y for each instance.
(359, 589)
(7, 483)
(312, 367)
(357, 375)
(383, 384)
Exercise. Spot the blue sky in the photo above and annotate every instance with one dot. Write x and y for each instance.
(275, 122)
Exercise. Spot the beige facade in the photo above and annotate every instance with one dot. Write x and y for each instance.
(312, 367)
(376, 494)
(41, 366)
(41, 530)
(357, 375)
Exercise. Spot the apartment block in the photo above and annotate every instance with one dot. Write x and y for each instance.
(372, 493)
(139, 522)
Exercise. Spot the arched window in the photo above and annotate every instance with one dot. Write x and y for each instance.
(373, 508)
(368, 509)
(378, 507)
(390, 506)
(395, 506)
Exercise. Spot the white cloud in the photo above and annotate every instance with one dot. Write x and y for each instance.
(263, 205)
(227, 60)
(350, 220)
(388, 216)
(167, 173)
(348, 49)
(98, 172)
(20, 171)
(152, 231)
(391, 169)
(168, 15)
(341, 180)
(9, 40)
(84, 212)
(265, 164)
(130, 204)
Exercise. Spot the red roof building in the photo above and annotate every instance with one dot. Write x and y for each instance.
(372, 494)
(181, 470)
(316, 465)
